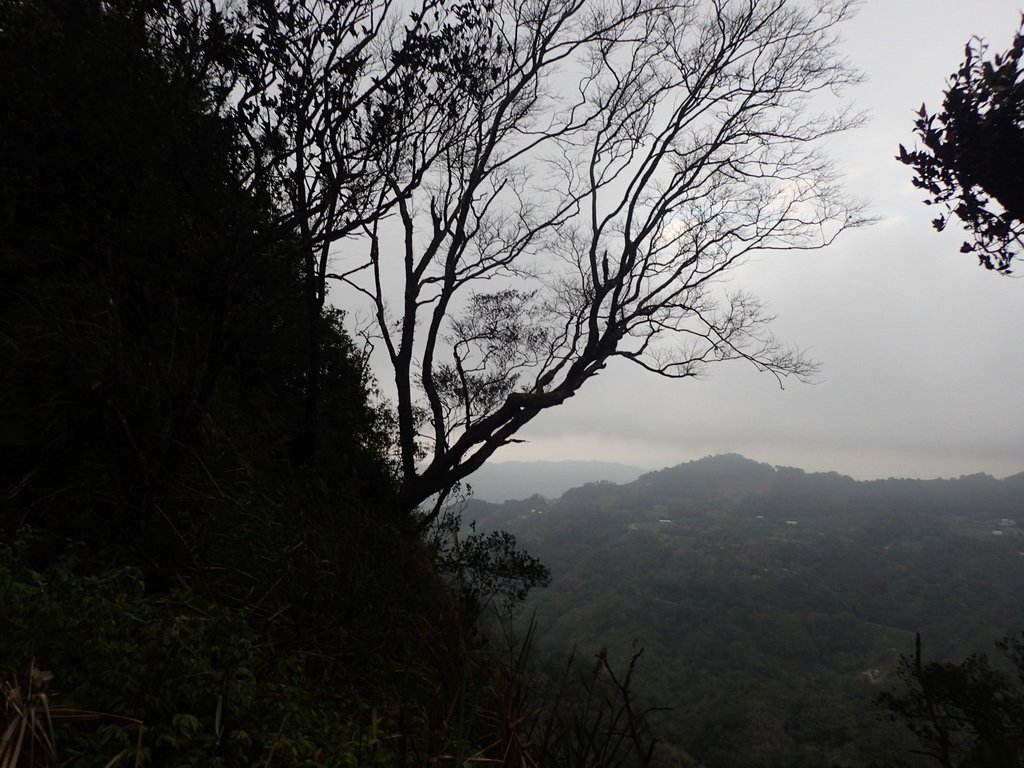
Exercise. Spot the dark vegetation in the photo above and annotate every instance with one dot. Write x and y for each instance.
(204, 559)
(972, 163)
(968, 713)
(774, 605)
(209, 554)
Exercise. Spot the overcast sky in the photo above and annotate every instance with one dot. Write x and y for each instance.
(921, 349)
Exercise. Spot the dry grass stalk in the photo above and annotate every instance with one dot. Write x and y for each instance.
(29, 738)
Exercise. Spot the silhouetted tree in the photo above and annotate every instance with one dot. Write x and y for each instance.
(524, 191)
(570, 184)
(152, 322)
(968, 714)
(973, 160)
(312, 88)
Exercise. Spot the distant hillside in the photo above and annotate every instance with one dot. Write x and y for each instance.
(774, 603)
(521, 479)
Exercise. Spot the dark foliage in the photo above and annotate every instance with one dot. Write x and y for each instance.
(773, 603)
(152, 359)
(969, 713)
(183, 581)
(484, 569)
(973, 160)
(153, 363)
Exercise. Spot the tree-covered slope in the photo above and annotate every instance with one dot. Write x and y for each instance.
(774, 604)
(182, 581)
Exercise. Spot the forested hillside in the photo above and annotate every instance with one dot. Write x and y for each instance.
(202, 556)
(773, 605)
(174, 576)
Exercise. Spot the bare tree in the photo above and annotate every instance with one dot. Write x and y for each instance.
(577, 193)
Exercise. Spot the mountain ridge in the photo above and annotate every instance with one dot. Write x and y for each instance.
(501, 481)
